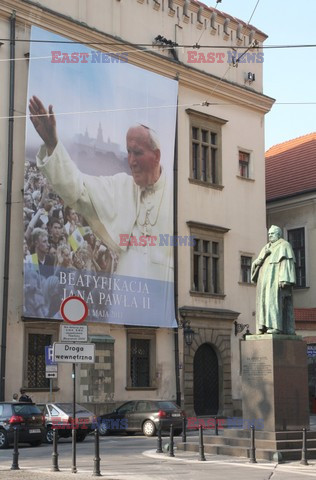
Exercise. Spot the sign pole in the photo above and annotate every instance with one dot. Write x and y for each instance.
(50, 390)
(74, 467)
(74, 310)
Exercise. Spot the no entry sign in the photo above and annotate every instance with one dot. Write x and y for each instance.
(74, 310)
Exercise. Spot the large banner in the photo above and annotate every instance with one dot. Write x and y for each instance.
(98, 190)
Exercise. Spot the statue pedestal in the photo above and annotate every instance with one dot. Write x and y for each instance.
(275, 382)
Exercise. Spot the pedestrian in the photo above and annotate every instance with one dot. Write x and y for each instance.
(15, 397)
(24, 397)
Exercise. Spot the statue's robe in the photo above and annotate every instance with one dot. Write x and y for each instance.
(274, 305)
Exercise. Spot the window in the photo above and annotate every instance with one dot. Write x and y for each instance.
(140, 363)
(205, 266)
(126, 408)
(296, 237)
(207, 259)
(245, 266)
(206, 152)
(141, 367)
(36, 360)
(244, 164)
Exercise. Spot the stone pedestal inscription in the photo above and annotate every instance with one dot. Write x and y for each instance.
(274, 381)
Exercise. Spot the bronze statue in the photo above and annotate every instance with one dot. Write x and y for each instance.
(274, 273)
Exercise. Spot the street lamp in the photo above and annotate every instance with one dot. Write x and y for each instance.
(188, 333)
(239, 327)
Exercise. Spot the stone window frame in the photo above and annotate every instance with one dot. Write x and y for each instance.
(38, 330)
(248, 256)
(210, 233)
(303, 268)
(213, 125)
(248, 175)
(142, 334)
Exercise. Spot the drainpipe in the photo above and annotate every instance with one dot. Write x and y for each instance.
(175, 252)
(8, 211)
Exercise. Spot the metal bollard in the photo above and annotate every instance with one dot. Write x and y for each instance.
(216, 426)
(96, 461)
(252, 458)
(74, 456)
(184, 429)
(55, 467)
(159, 439)
(171, 449)
(15, 457)
(304, 449)
(201, 445)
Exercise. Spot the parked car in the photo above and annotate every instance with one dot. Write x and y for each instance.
(59, 416)
(142, 416)
(27, 417)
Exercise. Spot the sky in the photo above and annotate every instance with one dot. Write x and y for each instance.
(289, 74)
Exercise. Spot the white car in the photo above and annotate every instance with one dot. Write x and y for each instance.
(59, 416)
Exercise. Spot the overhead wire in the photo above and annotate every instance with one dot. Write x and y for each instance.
(114, 44)
(113, 110)
(229, 66)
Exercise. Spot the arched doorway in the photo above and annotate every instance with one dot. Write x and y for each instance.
(205, 381)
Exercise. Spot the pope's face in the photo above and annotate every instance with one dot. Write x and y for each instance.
(274, 235)
(142, 159)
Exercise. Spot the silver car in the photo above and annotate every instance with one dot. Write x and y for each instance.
(59, 416)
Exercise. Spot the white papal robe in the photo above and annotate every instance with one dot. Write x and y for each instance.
(115, 205)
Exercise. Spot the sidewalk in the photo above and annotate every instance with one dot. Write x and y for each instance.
(150, 465)
(185, 465)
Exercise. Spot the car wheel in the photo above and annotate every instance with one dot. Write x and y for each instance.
(36, 443)
(80, 436)
(149, 428)
(103, 429)
(3, 439)
(49, 434)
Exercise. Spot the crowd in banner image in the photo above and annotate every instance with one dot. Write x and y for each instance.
(55, 238)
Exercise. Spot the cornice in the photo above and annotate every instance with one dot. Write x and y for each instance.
(208, 313)
(221, 16)
(188, 77)
(294, 200)
(208, 227)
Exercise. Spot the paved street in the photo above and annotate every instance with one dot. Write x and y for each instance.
(135, 458)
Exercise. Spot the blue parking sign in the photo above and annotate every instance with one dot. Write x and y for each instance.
(49, 358)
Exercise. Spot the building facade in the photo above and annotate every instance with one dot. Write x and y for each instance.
(219, 200)
(291, 190)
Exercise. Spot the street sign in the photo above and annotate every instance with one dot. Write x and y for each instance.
(74, 310)
(74, 333)
(51, 368)
(49, 360)
(74, 352)
(50, 374)
(311, 351)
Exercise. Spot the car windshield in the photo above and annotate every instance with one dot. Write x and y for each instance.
(167, 405)
(67, 408)
(26, 409)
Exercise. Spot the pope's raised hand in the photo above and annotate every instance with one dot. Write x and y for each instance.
(44, 122)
